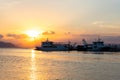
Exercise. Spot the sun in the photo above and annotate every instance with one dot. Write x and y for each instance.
(32, 33)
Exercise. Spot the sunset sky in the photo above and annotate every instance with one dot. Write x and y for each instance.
(59, 20)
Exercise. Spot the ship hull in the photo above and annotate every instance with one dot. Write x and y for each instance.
(51, 49)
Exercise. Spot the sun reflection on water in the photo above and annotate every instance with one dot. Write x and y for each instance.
(33, 67)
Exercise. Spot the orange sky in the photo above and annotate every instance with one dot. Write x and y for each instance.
(59, 20)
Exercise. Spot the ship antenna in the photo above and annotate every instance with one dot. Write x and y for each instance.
(47, 39)
(99, 38)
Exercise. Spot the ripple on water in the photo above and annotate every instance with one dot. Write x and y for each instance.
(24, 64)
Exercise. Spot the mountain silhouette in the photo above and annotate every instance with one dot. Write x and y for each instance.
(7, 45)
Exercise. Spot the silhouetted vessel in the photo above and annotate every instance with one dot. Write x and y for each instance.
(50, 46)
(97, 45)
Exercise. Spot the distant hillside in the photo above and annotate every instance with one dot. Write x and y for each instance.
(7, 45)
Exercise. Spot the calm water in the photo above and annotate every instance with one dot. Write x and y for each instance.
(27, 64)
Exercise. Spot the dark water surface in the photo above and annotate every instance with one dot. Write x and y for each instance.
(27, 64)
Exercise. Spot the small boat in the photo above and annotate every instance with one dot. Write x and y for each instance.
(50, 46)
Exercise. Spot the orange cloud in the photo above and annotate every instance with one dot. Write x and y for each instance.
(17, 36)
(48, 33)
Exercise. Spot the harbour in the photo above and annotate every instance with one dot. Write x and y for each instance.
(97, 45)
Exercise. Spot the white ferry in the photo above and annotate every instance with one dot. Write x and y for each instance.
(50, 46)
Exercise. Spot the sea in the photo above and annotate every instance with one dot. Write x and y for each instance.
(28, 64)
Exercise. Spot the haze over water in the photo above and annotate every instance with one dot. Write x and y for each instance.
(27, 64)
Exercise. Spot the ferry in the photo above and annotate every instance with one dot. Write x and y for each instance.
(51, 46)
(97, 45)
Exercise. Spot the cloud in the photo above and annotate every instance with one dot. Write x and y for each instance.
(1, 36)
(17, 36)
(106, 38)
(6, 4)
(98, 23)
(67, 33)
(89, 35)
(103, 24)
(112, 39)
(48, 33)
